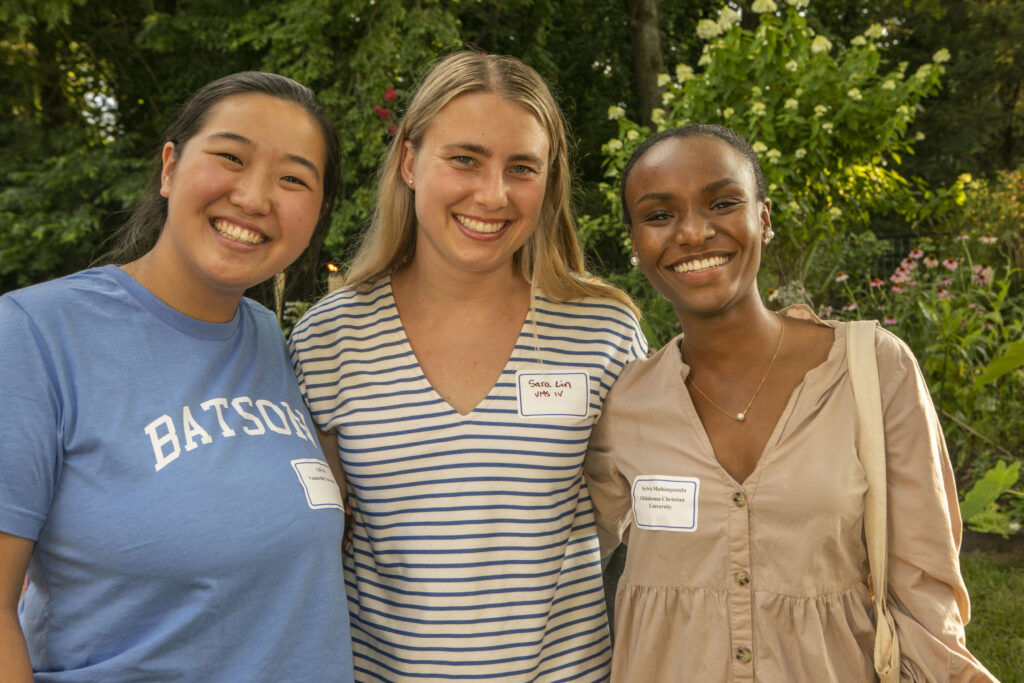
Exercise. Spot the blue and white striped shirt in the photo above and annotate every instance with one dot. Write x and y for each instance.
(475, 555)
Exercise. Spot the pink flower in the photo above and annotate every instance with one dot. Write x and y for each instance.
(898, 288)
(850, 307)
(946, 281)
(982, 274)
(899, 276)
(950, 263)
(392, 129)
(880, 307)
(842, 277)
(889, 321)
(943, 293)
(961, 237)
(931, 260)
(825, 312)
(908, 265)
(876, 283)
(988, 239)
(390, 94)
(915, 253)
(383, 113)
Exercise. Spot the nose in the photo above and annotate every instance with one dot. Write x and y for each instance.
(251, 193)
(492, 190)
(694, 229)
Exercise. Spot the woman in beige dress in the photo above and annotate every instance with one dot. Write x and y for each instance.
(727, 463)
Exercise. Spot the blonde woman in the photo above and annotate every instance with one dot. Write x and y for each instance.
(460, 371)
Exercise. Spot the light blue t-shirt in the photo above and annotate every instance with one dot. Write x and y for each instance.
(182, 510)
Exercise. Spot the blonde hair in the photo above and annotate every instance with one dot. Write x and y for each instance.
(552, 259)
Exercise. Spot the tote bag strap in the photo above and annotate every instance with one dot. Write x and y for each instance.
(860, 354)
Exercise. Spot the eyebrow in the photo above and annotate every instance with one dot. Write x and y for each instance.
(486, 153)
(710, 187)
(225, 135)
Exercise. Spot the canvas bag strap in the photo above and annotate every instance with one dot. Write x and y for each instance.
(860, 355)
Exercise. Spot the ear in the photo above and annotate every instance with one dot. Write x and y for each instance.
(168, 162)
(408, 162)
(766, 217)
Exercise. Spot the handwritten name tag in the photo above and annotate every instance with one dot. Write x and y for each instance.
(664, 503)
(318, 483)
(553, 394)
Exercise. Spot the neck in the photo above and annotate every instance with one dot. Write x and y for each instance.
(182, 292)
(723, 340)
(449, 287)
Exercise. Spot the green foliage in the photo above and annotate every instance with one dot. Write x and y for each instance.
(978, 507)
(995, 583)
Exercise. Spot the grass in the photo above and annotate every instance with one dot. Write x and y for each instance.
(996, 632)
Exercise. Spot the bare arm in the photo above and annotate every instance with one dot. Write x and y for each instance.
(14, 661)
(329, 444)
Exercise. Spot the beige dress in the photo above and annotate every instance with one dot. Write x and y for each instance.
(764, 580)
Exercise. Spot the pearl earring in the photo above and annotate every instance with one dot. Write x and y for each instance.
(634, 260)
(768, 236)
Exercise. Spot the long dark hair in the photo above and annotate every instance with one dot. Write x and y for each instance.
(142, 229)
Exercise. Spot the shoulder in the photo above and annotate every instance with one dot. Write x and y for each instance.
(343, 304)
(599, 313)
(54, 300)
(654, 373)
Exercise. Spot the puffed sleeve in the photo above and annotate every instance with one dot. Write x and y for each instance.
(29, 422)
(609, 489)
(928, 598)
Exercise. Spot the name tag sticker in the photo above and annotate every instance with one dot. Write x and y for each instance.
(318, 483)
(553, 394)
(662, 503)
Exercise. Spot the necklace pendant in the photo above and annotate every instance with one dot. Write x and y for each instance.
(741, 416)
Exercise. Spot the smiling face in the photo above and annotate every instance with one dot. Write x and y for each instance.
(243, 198)
(479, 176)
(697, 223)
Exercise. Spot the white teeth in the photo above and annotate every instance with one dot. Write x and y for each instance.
(238, 233)
(700, 264)
(486, 227)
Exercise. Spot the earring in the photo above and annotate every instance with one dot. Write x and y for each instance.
(634, 260)
(768, 236)
(410, 182)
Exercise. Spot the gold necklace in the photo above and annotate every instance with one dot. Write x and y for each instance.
(741, 416)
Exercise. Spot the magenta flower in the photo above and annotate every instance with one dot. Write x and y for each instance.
(383, 113)
(950, 263)
(982, 274)
(392, 129)
(943, 293)
(390, 94)
(850, 307)
(915, 254)
(842, 277)
(889, 321)
(908, 265)
(876, 283)
(899, 276)
(946, 281)
(899, 289)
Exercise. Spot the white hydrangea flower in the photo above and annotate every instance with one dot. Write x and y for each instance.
(923, 71)
(658, 115)
(919, 137)
(888, 84)
(663, 80)
(684, 72)
(756, 91)
(791, 103)
(965, 178)
(758, 108)
(874, 31)
(941, 56)
(760, 147)
(820, 109)
(727, 18)
(614, 145)
(616, 112)
(773, 154)
(728, 112)
(708, 29)
(800, 153)
(903, 110)
(794, 205)
(792, 65)
(797, 3)
(827, 127)
(820, 44)
(704, 60)
(858, 41)
(667, 96)
(854, 94)
(762, 6)
(835, 212)
(631, 134)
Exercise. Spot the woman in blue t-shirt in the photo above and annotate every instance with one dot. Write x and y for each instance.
(162, 485)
